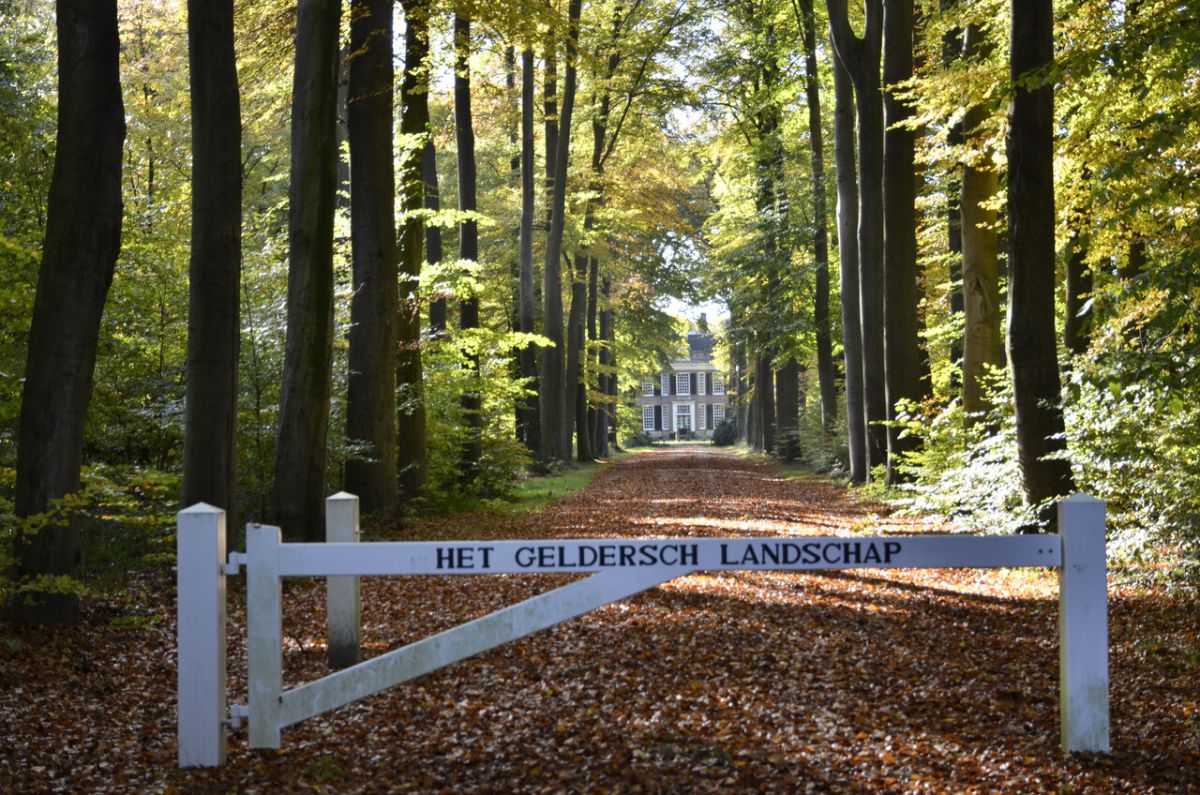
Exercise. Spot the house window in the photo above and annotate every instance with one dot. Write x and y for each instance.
(666, 383)
(683, 417)
(718, 415)
(648, 387)
(700, 383)
(648, 417)
(683, 384)
(700, 417)
(718, 384)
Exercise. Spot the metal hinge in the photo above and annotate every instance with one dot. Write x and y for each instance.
(234, 567)
(238, 713)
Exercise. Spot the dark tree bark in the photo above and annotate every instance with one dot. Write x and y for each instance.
(556, 426)
(411, 463)
(847, 221)
(983, 345)
(433, 232)
(300, 458)
(952, 45)
(576, 387)
(1031, 343)
(605, 419)
(902, 347)
(83, 238)
(820, 236)
(861, 58)
(214, 325)
(468, 231)
(527, 411)
(1077, 324)
(550, 113)
(371, 381)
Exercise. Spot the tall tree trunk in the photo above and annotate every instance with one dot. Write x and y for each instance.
(576, 387)
(1077, 323)
(605, 420)
(556, 426)
(983, 345)
(847, 221)
(812, 92)
(83, 238)
(214, 318)
(902, 347)
(952, 46)
(1031, 343)
(433, 231)
(527, 409)
(411, 464)
(371, 377)
(468, 245)
(861, 59)
(300, 457)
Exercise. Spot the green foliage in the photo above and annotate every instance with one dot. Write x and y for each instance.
(448, 376)
(126, 520)
(725, 434)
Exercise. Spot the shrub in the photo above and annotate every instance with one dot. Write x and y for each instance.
(725, 433)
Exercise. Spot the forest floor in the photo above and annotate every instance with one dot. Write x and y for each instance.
(860, 681)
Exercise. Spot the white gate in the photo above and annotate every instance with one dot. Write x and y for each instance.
(619, 569)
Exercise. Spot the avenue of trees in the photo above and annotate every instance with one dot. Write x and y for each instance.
(255, 251)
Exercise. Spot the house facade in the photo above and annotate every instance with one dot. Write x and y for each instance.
(690, 399)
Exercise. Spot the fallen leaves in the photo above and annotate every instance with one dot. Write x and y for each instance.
(879, 680)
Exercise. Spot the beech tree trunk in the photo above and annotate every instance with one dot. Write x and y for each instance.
(556, 424)
(847, 223)
(983, 345)
(861, 59)
(576, 388)
(1031, 341)
(1077, 323)
(433, 232)
(820, 238)
(371, 380)
(605, 419)
(468, 232)
(214, 308)
(902, 346)
(411, 465)
(300, 459)
(83, 238)
(527, 410)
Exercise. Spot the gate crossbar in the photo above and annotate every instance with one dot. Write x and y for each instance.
(619, 569)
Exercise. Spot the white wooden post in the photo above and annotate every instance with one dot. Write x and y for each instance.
(264, 634)
(344, 606)
(200, 591)
(1083, 626)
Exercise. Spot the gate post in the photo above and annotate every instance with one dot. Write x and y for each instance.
(344, 606)
(264, 634)
(200, 626)
(1083, 626)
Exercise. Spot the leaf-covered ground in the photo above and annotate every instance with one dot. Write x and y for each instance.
(866, 681)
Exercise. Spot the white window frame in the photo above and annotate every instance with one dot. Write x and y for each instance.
(683, 384)
(718, 415)
(666, 414)
(700, 412)
(718, 384)
(666, 383)
(682, 409)
(648, 387)
(701, 377)
(647, 418)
